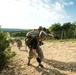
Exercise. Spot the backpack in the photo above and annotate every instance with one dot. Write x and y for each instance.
(29, 37)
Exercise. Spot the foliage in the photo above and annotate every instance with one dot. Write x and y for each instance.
(74, 29)
(56, 29)
(46, 30)
(19, 33)
(65, 31)
(5, 50)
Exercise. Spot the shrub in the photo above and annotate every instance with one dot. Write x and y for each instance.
(5, 49)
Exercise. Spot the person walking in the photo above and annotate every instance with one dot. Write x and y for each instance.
(34, 41)
(19, 43)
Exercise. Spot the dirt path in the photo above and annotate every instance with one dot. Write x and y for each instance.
(59, 59)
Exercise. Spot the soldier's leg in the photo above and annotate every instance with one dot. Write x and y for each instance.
(40, 55)
(31, 55)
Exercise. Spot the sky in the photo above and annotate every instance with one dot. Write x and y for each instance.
(30, 14)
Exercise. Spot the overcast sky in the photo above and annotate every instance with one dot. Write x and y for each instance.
(29, 14)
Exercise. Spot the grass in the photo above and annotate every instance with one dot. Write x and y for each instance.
(61, 40)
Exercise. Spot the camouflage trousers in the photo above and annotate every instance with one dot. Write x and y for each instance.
(19, 44)
(31, 54)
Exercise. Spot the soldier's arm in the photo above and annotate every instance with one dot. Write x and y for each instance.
(50, 35)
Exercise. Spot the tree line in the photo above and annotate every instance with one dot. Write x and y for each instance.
(65, 31)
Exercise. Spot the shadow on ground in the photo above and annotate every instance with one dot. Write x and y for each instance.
(57, 67)
(69, 66)
(47, 71)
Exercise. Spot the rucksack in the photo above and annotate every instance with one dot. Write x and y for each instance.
(29, 37)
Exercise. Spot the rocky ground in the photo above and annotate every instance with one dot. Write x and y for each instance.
(59, 59)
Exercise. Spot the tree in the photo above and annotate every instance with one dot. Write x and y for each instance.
(74, 29)
(68, 30)
(56, 29)
(46, 30)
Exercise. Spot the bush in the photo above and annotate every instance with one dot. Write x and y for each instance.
(5, 49)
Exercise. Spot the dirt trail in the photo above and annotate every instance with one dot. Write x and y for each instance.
(59, 59)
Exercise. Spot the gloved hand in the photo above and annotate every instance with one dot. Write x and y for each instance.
(41, 43)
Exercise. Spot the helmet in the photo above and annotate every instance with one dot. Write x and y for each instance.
(40, 28)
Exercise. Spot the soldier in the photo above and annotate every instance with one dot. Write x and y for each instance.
(33, 41)
(19, 43)
(12, 41)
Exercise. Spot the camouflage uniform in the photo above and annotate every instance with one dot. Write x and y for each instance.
(28, 40)
(12, 41)
(19, 44)
(31, 55)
